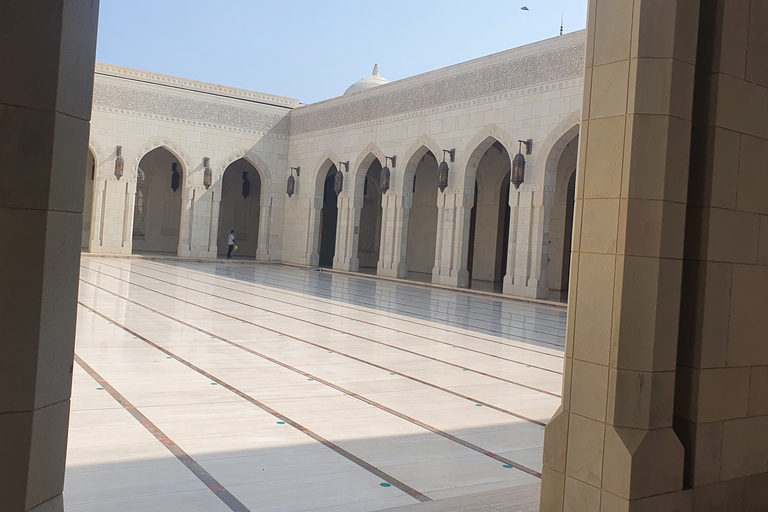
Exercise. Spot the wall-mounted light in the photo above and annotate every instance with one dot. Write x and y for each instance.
(174, 177)
(385, 173)
(290, 189)
(338, 182)
(119, 162)
(207, 173)
(442, 172)
(518, 163)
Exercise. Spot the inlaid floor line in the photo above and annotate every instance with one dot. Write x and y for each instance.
(400, 317)
(522, 363)
(332, 302)
(378, 405)
(343, 354)
(315, 324)
(190, 463)
(329, 444)
(327, 297)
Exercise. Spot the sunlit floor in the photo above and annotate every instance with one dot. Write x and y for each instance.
(229, 386)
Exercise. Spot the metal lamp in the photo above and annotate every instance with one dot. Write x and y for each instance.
(518, 163)
(442, 172)
(338, 182)
(207, 173)
(385, 173)
(291, 187)
(174, 177)
(119, 162)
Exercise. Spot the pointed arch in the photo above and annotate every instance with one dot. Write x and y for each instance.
(478, 146)
(97, 151)
(418, 149)
(552, 147)
(328, 159)
(364, 160)
(168, 144)
(265, 174)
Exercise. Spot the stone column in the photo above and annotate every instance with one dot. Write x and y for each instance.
(721, 400)
(128, 212)
(45, 105)
(394, 234)
(312, 256)
(94, 245)
(527, 253)
(611, 446)
(265, 229)
(213, 230)
(452, 247)
(348, 232)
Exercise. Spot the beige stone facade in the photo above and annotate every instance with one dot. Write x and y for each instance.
(479, 108)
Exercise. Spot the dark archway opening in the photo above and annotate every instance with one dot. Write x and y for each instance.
(158, 203)
(240, 209)
(369, 243)
(328, 219)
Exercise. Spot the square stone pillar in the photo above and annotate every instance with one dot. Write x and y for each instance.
(721, 401)
(611, 446)
(394, 234)
(47, 51)
(454, 209)
(348, 232)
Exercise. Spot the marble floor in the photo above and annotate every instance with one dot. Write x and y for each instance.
(228, 386)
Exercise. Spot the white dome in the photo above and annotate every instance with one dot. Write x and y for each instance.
(367, 83)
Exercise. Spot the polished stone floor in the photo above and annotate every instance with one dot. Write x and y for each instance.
(229, 386)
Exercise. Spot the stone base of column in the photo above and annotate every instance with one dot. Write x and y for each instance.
(458, 279)
(348, 266)
(99, 249)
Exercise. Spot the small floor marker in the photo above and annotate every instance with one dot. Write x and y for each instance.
(214, 383)
(479, 405)
(281, 423)
(168, 357)
(391, 373)
(99, 389)
(385, 484)
(310, 379)
(508, 466)
(464, 369)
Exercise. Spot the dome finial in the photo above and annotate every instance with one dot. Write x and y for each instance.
(375, 70)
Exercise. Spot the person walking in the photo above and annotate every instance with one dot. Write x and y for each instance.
(231, 243)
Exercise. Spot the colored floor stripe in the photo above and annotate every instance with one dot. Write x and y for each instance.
(379, 312)
(211, 483)
(315, 324)
(281, 417)
(527, 365)
(415, 379)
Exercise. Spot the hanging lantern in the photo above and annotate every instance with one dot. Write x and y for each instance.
(207, 173)
(174, 177)
(338, 182)
(384, 183)
(246, 185)
(442, 171)
(119, 162)
(291, 187)
(518, 163)
(386, 174)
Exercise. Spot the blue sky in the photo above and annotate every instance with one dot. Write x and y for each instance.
(313, 50)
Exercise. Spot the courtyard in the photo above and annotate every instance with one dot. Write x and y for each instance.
(206, 386)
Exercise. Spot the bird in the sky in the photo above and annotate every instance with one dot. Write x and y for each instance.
(524, 8)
